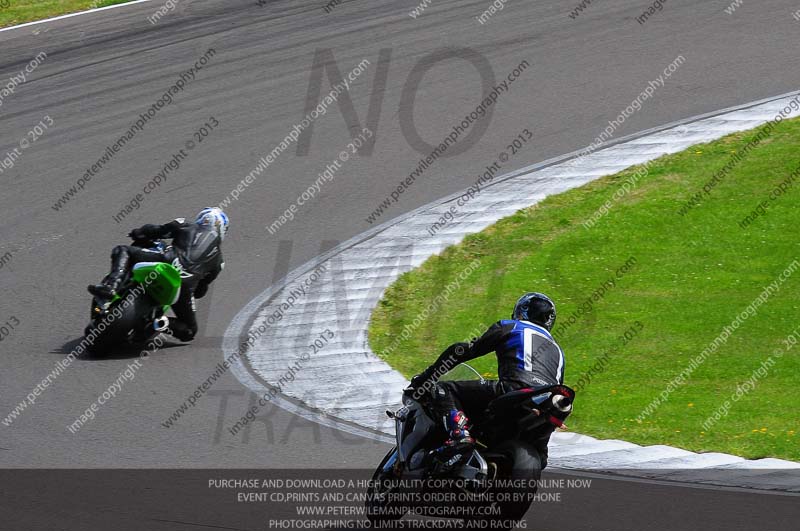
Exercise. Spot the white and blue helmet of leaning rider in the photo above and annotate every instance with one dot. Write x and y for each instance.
(213, 217)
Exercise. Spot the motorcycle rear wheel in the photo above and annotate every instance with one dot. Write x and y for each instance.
(521, 461)
(117, 331)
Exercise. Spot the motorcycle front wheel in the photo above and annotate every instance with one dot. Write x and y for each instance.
(378, 505)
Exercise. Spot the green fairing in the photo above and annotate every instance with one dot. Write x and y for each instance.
(162, 282)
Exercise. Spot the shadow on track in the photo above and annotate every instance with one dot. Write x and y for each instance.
(119, 353)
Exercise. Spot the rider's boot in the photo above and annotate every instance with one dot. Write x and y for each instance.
(459, 442)
(107, 289)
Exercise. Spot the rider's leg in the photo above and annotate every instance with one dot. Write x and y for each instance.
(541, 442)
(123, 257)
(185, 326)
(452, 400)
(120, 261)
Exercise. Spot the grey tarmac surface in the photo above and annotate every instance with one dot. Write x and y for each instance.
(103, 70)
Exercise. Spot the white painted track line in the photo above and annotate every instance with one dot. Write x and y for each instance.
(70, 15)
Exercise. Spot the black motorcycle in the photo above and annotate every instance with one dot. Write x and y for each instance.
(495, 483)
(139, 310)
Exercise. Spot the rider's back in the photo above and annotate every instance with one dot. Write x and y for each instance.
(528, 354)
(198, 249)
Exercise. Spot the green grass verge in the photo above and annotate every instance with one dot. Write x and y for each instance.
(692, 276)
(13, 12)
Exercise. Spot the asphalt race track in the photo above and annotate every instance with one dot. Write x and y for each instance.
(103, 70)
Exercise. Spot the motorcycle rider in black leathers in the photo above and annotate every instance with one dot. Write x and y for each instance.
(195, 252)
(527, 356)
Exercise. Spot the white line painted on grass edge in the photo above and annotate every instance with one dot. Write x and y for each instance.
(348, 387)
(70, 15)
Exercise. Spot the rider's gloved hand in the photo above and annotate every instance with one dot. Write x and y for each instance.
(137, 234)
(417, 386)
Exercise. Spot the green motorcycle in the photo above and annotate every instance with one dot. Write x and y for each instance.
(138, 312)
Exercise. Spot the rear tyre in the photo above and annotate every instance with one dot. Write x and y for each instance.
(521, 462)
(111, 331)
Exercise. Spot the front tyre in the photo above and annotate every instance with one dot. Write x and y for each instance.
(378, 506)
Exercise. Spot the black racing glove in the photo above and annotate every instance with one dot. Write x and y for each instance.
(137, 235)
(419, 387)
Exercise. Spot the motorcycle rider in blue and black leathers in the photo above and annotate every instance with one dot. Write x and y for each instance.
(527, 356)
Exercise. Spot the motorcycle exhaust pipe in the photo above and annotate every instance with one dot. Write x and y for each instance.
(161, 324)
(562, 403)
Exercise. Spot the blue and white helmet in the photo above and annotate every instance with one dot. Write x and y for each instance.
(214, 217)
